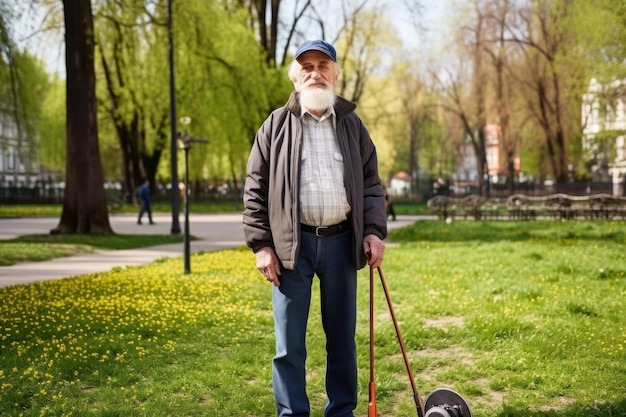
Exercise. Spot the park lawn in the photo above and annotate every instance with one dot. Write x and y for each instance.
(35, 248)
(158, 206)
(204, 206)
(523, 319)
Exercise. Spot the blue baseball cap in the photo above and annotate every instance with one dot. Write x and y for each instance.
(317, 45)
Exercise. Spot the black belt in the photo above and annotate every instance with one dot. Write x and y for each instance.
(327, 230)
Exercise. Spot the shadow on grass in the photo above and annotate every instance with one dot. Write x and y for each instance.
(617, 409)
(494, 231)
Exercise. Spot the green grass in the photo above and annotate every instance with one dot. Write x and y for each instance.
(411, 208)
(524, 319)
(213, 206)
(22, 210)
(32, 248)
(520, 231)
(208, 206)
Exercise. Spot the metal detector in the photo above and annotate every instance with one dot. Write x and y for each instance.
(442, 402)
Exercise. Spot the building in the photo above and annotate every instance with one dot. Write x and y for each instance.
(400, 184)
(19, 166)
(604, 132)
(465, 179)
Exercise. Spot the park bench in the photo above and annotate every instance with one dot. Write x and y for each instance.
(472, 205)
(526, 207)
(565, 206)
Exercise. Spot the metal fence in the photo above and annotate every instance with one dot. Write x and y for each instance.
(54, 195)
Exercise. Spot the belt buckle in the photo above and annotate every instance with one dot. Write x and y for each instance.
(317, 230)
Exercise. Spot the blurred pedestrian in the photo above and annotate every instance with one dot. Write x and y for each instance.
(143, 195)
(389, 206)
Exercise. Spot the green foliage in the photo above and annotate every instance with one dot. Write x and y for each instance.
(53, 133)
(222, 85)
(603, 31)
(6, 39)
(23, 82)
(225, 88)
(24, 86)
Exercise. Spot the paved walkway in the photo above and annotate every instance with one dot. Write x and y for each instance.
(214, 232)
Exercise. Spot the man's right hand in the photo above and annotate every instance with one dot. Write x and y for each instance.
(267, 263)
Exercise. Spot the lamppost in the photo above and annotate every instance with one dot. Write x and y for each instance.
(186, 142)
(173, 152)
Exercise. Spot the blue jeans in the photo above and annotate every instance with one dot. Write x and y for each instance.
(330, 258)
(145, 208)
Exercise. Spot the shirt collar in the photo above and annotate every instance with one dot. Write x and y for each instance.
(330, 112)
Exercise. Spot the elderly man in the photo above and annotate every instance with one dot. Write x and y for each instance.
(314, 205)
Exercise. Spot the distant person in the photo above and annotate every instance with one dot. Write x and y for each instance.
(143, 195)
(389, 206)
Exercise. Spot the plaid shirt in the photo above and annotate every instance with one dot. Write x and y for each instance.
(323, 200)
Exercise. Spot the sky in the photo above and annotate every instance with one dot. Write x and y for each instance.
(434, 14)
(44, 46)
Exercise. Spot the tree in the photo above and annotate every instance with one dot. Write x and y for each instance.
(604, 28)
(125, 36)
(219, 68)
(465, 88)
(53, 128)
(604, 40)
(523, 67)
(364, 43)
(269, 37)
(413, 109)
(502, 79)
(23, 83)
(84, 204)
(554, 78)
(7, 55)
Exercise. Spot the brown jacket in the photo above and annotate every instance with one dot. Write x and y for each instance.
(272, 208)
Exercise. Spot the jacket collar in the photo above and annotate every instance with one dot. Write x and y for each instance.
(342, 106)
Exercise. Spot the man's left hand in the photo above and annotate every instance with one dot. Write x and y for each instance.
(375, 248)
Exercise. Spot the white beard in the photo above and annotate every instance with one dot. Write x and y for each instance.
(317, 99)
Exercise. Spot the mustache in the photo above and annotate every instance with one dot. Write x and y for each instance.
(311, 83)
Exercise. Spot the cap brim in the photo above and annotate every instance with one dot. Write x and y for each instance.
(313, 48)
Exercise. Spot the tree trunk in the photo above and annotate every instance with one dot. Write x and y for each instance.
(510, 172)
(480, 147)
(84, 204)
(261, 10)
(413, 150)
